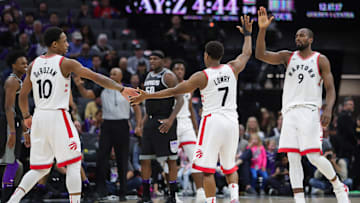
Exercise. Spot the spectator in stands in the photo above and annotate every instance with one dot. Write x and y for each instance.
(141, 71)
(95, 127)
(267, 121)
(41, 48)
(84, 12)
(37, 35)
(271, 152)
(167, 62)
(114, 131)
(43, 14)
(96, 65)
(101, 47)
(243, 161)
(92, 108)
(243, 143)
(27, 26)
(346, 132)
(258, 161)
(279, 182)
(88, 36)
(176, 37)
(275, 133)
(321, 184)
(110, 59)
(7, 18)
(252, 127)
(9, 38)
(133, 61)
(53, 20)
(104, 10)
(85, 58)
(123, 64)
(75, 45)
(135, 81)
(133, 177)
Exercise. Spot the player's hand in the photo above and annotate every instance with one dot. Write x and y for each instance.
(140, 97)
(11, 140)
(263, 20)
(78, 81)
(129, 92)
(326, 117)
(28, 122)
(27, 139)
(165, 125)
(246, 24)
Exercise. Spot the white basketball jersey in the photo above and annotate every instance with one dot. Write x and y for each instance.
(51, 90)
(303, 82)
(219, 95)
(184, 111)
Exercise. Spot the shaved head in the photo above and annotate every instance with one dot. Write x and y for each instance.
(116, 74)
(309, 32)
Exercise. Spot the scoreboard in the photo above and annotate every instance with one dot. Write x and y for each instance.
(230, 10)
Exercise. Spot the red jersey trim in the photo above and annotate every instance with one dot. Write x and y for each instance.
(68, 162)
(207, 77)
(317, 62)
(61, 60)
(307, 151)
(310, 151)
(298, 53)
(41, 167)
(289, 150)
(290, 58)
(203, 129)
(67, 124)
(217, 67)
(230, 171)
(186, 143)
(46, 57)
(203, 169)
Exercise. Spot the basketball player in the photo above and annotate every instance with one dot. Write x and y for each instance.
(53, 133)
(15, 129)
(306, 72)
(219, 130)
(186, 128)
(159, 138)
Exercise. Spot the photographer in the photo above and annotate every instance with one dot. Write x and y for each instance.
(320, 184)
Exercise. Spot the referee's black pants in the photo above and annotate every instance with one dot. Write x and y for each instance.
(114, 133)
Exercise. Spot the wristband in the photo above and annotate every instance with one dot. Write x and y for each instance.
(247, 33)
(26, 117)
(122, 89)
(12, 133)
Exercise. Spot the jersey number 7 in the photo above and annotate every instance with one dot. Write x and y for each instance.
(226, 89)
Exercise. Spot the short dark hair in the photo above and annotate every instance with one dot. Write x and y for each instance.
(346, 99)
(95, 55)
(52, 34)
(214, 49)
(13, 56)
(177, 61)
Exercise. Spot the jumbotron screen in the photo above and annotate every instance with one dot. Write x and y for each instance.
(230, 10)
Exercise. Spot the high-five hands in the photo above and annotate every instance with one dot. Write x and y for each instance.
(246, 25)
(263, 20)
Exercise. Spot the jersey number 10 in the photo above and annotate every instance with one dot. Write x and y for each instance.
(42, 87)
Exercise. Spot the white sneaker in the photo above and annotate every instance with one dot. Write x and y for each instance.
(342, 194)
(178, 200)
(200, 195)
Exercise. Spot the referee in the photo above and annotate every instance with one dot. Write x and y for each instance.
(114, 131)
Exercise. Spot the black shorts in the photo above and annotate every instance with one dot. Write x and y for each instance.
(155, 144)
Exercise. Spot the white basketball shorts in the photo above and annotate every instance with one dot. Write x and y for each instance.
(301, 130)
(53, 135)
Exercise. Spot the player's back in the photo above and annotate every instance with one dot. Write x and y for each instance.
(303, 82)
(219, 95)
(51, 90)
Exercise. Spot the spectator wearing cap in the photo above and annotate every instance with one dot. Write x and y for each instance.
(133, 61)
(75, 45)
(101, 47)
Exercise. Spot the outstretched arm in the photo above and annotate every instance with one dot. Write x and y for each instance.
(70, 65)
(261, 53)
(327, 76)
(240, 62)
(197, 80)
(23, 99)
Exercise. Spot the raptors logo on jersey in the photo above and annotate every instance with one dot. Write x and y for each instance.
(51, 90)
(303, 82)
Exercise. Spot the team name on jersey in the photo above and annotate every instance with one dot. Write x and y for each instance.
(45, 70)
(221, 79)
(301, 67)
(152, 83)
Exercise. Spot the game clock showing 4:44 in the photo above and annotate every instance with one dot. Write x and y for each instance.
(185, 7)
